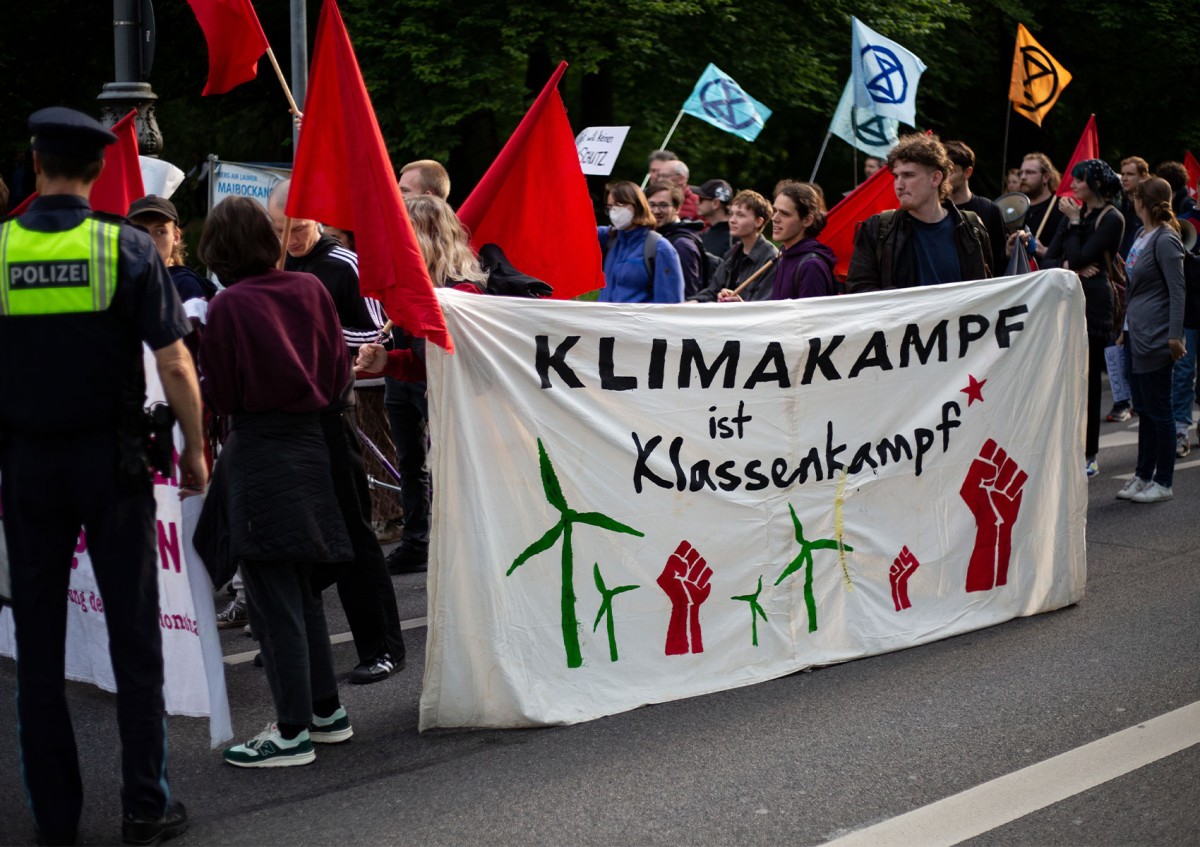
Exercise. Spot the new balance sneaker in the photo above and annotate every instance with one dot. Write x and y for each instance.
(1182, 445)
(1153, 493)
(269, 749)
(135, 830)
(377, 670)
(233, 615)
(1132, 487)
(331, 730)
(1091, 468)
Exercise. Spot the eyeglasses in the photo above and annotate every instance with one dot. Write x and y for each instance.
(660, 207)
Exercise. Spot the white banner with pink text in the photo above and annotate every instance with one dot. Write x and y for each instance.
(639, 503)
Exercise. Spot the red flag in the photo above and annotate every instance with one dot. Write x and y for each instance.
(877, 194)
(120, 183)
(343, 177)
(508, 206)
(1087, 148)
(236, 42)
(1193, 169)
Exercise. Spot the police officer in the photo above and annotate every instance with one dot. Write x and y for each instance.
(71, 455)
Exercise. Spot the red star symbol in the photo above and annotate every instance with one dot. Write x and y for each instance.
(974, 391)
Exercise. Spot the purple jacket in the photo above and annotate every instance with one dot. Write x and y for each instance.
(797, 276)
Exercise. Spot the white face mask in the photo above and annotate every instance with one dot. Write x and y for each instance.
(621, 216)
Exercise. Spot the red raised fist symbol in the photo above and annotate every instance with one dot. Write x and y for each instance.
(684, 579)
(902, 568)
(992, 491)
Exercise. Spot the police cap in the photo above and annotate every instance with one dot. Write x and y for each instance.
(67, 132)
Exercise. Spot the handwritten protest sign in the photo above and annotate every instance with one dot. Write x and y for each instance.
(638, 503)
(599, 147)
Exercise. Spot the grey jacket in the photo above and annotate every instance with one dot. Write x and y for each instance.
(1154, 312)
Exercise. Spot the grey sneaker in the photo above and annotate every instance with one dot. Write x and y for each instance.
(234, 615)
(331, 730)
(1132, 487)
(1153, 493)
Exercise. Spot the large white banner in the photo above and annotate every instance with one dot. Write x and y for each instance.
(638, 503)
(194, 675)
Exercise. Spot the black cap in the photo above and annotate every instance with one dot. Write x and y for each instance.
(152, 204)
(715, 189)
(69, 133)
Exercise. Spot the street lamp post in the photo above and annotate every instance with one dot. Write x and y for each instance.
(133, 51)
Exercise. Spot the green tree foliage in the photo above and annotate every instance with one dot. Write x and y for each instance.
(451, 78)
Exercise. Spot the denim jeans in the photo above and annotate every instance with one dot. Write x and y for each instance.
(1183, 383)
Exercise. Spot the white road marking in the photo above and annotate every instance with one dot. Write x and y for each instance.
(1005, 799)
(340, 638)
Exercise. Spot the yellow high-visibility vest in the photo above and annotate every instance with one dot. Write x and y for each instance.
(58, 273)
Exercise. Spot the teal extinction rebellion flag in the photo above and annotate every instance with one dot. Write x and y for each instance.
(720, 101)
(884, 74)
(862, 128)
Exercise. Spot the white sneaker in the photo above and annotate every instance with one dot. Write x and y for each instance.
(1152, 493)
(1132, 487)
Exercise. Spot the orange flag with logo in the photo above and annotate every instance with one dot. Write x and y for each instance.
(1037, 78)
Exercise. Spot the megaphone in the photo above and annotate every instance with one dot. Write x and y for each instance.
(1187, 232)
(1013, 208)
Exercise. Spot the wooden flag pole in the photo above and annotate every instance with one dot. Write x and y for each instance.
(666, 140)
(766, 266)
(295, 110)
(283, 242)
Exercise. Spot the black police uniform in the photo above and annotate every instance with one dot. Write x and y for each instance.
(59, 471)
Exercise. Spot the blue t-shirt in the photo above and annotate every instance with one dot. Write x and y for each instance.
(937, 255)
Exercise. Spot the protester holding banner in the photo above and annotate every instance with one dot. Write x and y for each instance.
(805, 266)
(451, 263)
(273, 359)
(748, 215)
(928, 240)
(640, 266)
(1154, 339)
(1087, 241)
(73, 453)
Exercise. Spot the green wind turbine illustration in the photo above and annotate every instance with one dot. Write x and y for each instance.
(564, 527)
(756, 610)
(805, 560)
(606, 608)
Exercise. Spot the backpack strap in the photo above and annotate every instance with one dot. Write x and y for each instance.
(649, 255)
(883, 257)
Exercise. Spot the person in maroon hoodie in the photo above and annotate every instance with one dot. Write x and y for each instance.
(272, 360)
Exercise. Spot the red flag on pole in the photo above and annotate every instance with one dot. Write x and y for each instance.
(877, 194)
(1087, 148)
(342, 176)
(508, 206)
(120, 183)
(1193, 171)
(235, 42)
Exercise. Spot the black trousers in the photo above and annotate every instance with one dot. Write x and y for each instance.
(364, 586)
(52, 485)
(410, 434)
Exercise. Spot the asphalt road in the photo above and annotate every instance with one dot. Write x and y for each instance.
(806, 759)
